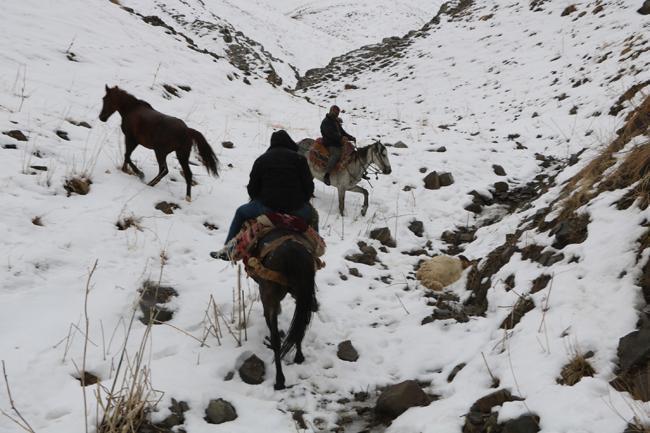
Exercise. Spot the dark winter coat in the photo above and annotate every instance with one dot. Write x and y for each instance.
(280, 178)
(332, 131)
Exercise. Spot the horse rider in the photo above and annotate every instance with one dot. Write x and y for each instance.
(333, 137)
(280, 181)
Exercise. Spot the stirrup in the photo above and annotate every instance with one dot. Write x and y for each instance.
(326, 179)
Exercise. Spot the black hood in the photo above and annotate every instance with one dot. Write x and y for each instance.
(282, 139)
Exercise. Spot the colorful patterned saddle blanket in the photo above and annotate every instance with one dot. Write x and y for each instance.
(244, 245)
(319, 154)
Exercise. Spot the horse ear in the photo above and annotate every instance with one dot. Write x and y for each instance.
(106, 87)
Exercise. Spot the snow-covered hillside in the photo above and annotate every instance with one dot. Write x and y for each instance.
(513, 99)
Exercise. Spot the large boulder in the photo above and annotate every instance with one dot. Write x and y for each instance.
(397, 399)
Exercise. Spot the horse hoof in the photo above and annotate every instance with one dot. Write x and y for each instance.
(363, 212)
(278, 386)
(299, 359)
(188, 199)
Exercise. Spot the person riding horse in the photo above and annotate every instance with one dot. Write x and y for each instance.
(280, 181)
(333, 136)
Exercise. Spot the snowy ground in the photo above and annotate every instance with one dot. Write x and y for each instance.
(482, 80)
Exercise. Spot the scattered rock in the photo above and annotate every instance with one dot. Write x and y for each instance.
(524, 424)
(347, 352)
(400, 145)
(447, 313)
(152, 296)
(634, 363)
(384, 236)
(88, 379)
(446, 179)
(569, 10)
(350, 87)
(474, 208)
(479, 279)
(645, 8)
(38, 167)
(82, 123)
(368, 255)
(9, 146)
(220, 411)
(498, 170)
(432, 181)
(176, 418)
(77, 185)
(501, 187)
(510, 282)
(252, 371)
(16, 135)
(455, 371)
(171, 90)
(210, 226)
(572, 230)
(417, 228)
(167, 207)
(441, 149)
(523, 306)
(540, 283)
(62, 135)
(355, 272)
(228, 144)
(396, 399)
(481, 417)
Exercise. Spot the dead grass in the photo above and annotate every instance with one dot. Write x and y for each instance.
(577, 368)
(582, 188)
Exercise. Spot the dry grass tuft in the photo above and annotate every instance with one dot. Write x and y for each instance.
(577, 368)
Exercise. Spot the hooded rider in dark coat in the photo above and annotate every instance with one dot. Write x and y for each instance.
(280, 181)
(333, 135)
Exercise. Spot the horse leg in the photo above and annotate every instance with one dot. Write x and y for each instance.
(363, 191)
(162, 167)
(341, 201)
(130, 143)
(271, 305)
(183, 157)
(300, 358)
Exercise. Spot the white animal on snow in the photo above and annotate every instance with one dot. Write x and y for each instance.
(441, 271)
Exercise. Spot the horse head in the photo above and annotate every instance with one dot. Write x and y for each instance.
(379, 157)
(109, 105)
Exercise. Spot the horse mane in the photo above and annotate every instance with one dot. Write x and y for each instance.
(129, 102)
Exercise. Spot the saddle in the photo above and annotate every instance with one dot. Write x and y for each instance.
(319, 154)
(246, 245)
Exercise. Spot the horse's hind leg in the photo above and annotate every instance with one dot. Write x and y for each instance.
(162, 167)
(363, 191)
(271, 305)
(130, 143)
(183, 157)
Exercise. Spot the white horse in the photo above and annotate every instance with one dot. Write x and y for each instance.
(348, 177)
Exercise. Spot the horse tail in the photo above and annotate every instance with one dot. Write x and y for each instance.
(206, 153)
(299, 270)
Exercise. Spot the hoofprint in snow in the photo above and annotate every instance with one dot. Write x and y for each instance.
(478, 85)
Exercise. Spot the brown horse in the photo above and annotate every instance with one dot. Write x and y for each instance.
(141, 124)
(292, 260)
